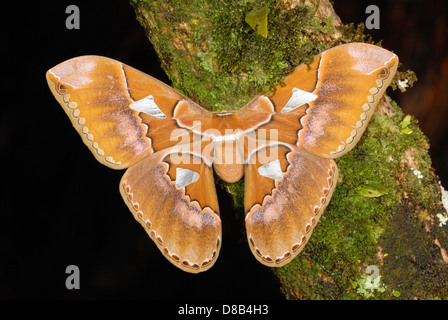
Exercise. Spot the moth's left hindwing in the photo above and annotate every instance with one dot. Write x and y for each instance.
(284, 200)
(115, 108)
(172, 195)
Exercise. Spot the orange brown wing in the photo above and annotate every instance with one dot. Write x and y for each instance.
(121, 114)
(284, 200)
(172, 195)
(338, 93)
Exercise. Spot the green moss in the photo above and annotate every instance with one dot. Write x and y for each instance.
(352, 33)
(236, 190)
(225, 63)
(412, 265)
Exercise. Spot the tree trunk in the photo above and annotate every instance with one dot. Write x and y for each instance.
(382, 236)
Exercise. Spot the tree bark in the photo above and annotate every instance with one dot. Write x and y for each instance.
(382, 236)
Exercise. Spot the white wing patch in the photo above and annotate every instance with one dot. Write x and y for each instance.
(148, 105)
(298, 98)
(271, 170)
(184, 177)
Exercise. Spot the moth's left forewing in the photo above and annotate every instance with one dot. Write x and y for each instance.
(93, 93)
(352, 79)
(339, 92)
(284, 200)
(117, 110)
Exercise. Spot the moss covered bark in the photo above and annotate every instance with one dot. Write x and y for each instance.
(381, 237)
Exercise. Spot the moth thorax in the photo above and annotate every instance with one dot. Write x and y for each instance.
(228, 161)
(230, 173)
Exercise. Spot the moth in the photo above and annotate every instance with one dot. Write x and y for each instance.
(283, 144)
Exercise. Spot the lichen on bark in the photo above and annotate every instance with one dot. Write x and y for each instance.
(383, 215)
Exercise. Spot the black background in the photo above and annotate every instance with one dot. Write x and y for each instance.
(60, 207)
